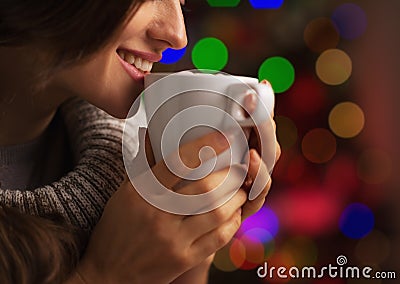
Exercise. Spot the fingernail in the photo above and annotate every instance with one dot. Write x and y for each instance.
(265, 82)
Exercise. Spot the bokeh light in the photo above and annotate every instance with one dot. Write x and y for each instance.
(319, 145)
(373, 248)
(333, 67)
(374, 166)
(254, 253)
(279, 72)
(346, 120)
(321, 34)
(356, 221)
(210, 53)
(170, 56)
(223, 3)
(266, 4)
(350, 20)
(237, 252)
(308, 210)
(265, 220)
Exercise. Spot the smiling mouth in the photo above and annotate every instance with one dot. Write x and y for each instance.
(139, 63)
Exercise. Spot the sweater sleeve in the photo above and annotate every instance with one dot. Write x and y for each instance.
(80, 195)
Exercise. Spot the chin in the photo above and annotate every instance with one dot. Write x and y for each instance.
(120, 107)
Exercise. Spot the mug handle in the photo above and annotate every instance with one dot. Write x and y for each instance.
(264, 103)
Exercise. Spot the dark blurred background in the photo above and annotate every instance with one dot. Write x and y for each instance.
(336, 186)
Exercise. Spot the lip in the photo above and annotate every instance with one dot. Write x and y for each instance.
(152, 57)
(132, 71)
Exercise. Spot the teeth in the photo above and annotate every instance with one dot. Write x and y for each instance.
(138, 62)
(129, 58)
(145, 65)
(121, 54)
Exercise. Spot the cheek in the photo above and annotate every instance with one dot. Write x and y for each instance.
(103, 83)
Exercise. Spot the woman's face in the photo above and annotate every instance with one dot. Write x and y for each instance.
(113, 77)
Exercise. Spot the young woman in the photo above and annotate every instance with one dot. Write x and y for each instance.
(61, 172)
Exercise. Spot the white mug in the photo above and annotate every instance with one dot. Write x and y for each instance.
(183, 106)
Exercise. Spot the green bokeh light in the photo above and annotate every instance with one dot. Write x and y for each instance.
(223, 3)
(279, 72)
(210, 53)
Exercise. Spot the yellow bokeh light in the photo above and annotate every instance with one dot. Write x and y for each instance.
(346, 120)
(334, 67)
(320, 34)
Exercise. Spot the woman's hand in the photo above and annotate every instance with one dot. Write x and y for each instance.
(134, 242)
(257, 165)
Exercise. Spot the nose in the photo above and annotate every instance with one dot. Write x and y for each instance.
(169, 26)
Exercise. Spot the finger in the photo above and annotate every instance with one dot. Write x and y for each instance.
(259, 172)
(250, 103)
(200, 224)
(206, 184)
(187, 158)
(216, 239)
(266, 82)
(264, 140)
(252, 206)
(256, 167)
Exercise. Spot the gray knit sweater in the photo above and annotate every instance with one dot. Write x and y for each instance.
(81, 194)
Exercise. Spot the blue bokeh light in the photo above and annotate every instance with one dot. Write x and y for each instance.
(266, 4)
(170, 56)
(357, 221)
(350, 20)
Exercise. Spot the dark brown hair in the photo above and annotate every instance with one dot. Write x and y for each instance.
(67, 30)
(36, 250)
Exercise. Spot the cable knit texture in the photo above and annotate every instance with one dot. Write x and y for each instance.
(79, 196)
